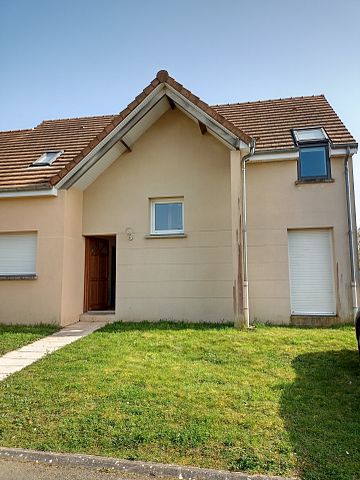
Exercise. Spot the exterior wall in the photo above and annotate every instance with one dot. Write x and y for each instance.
(35, 301)
(56, 295)
(275, 204)
(72, 299)
(178, 278)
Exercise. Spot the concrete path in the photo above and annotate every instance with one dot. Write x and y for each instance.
(16, 360)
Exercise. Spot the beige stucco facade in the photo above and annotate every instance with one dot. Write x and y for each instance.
(56, 295)
(174, 278)
(275, 204)
(189, 278)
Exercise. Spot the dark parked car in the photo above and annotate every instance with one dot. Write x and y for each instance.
(357, 329)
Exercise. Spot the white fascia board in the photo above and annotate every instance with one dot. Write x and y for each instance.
(278, 156)
(157, 92)
(51, 192)
(341, 151)
(200, 115)
(274, 156)
(156, 95)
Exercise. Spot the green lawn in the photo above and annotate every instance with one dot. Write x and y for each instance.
(274, 400)
(16, 336)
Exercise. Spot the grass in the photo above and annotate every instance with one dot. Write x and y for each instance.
(16, 336)
(275, 400)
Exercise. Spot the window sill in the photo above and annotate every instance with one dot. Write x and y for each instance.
(18, 277)
(314, 180)
(165, 235)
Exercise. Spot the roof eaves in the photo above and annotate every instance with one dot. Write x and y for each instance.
(162, 77)
(107, 130)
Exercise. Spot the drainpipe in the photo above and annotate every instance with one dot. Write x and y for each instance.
(244, 236)
(351, 233)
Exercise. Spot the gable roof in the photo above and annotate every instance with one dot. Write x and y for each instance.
(269, 121)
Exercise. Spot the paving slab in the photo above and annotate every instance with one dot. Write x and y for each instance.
(18, 359)
(13, 361)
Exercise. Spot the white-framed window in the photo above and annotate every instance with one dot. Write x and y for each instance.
(18, 254)
(167, 216)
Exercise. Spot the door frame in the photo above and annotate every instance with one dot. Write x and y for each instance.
(87, 274)
(88, 239)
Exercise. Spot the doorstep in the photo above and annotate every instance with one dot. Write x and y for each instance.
(106, 316)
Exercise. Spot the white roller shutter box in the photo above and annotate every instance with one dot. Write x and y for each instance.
(311, 272)
(18, 253)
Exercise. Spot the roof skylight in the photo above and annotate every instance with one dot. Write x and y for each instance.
(48, 158)
(303, 135)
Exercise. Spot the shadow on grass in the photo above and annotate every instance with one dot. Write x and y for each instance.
(321, 411)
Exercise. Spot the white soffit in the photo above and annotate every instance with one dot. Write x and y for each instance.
(160, 106)
(130, 138)
(146, 122)
(106, 160)
(194, 119)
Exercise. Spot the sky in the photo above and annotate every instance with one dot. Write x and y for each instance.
(70, 58)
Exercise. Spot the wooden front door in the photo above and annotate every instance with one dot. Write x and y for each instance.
(96, 274)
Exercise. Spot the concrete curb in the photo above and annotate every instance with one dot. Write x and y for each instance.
(147, 469)
(16, 360)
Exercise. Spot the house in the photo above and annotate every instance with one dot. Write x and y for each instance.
(176, 210)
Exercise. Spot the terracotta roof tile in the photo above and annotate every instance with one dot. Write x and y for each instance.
(269, 121)
(19, 149)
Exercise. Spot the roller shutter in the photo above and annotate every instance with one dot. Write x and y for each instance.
(17, 253)
(311, 272)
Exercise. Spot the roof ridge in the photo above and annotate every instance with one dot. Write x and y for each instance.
(17, 130)
(269, 100)
(162, 77)
(77, 118)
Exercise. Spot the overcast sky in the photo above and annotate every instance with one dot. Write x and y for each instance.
(69, 58)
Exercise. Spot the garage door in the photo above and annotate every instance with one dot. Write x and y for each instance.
(311, 272)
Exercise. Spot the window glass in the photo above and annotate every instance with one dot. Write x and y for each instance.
(313, 162)
(47, 158)
(310, 135)
(168, 216)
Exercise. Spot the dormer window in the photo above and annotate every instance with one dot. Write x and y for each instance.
(47, 158)
(314, 161)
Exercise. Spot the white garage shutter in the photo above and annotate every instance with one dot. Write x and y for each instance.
(18, 253)
(311, 272)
